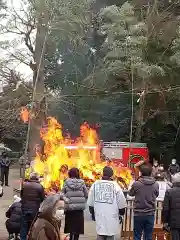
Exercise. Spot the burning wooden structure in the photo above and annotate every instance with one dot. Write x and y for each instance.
(83, 152)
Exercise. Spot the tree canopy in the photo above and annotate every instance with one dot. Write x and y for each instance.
(114, 64)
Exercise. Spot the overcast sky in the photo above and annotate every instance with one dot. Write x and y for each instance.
(22, 68)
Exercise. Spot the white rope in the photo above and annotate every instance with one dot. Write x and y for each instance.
(132, 113)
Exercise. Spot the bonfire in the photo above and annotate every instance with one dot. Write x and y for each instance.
(62, 153)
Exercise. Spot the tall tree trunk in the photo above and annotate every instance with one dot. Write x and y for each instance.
(39, 104)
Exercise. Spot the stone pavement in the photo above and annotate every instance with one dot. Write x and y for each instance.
(7, 199)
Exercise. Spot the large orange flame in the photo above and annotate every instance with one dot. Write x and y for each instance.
(62, 152)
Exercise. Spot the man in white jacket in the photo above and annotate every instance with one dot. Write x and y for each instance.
(107, 204)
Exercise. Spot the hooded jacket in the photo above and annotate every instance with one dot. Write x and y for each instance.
(46, 227)
(76, 192)
(145, 190)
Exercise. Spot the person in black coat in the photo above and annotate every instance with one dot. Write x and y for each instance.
(171, 208)
(14, 214)
(32, 195)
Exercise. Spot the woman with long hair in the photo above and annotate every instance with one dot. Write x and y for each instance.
(76, 192)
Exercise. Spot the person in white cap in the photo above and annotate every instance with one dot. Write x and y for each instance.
(13, 223)
(171, 208)
(173, 167)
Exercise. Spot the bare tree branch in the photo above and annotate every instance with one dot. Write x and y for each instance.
(27, 40)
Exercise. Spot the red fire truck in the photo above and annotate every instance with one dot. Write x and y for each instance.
(126, 153)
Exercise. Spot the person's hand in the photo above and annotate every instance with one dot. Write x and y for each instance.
(50, 193)
(166, 227)
(120, 219)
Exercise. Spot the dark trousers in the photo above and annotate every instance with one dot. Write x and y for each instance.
(74, 236)
(26, 221)
(175, 234)
(4, 175)
(143, 225)
(100, 237)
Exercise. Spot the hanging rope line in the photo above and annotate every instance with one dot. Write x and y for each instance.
(132, 113)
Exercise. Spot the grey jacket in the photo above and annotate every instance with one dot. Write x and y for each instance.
(76, 192)
(145, 190)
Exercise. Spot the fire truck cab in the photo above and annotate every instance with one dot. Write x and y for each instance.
(125, 153)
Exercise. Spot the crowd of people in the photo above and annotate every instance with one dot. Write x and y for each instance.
(36, 215)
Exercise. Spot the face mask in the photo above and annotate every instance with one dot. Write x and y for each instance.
(161, 168)
(59, 214)
(156, 164)
(173, 162)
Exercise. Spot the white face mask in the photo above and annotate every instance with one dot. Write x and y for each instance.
(59, 214)
(173, 162)
(161, 168)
